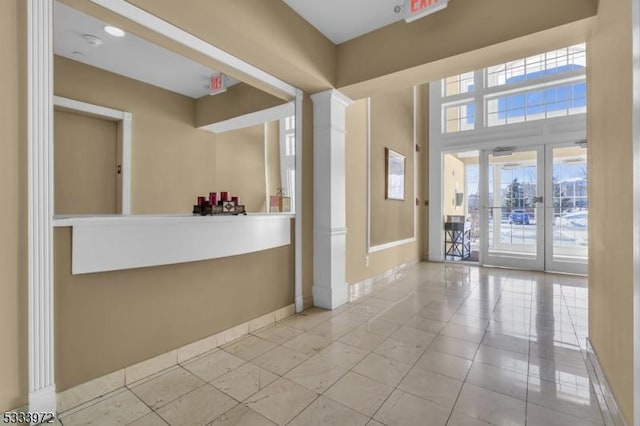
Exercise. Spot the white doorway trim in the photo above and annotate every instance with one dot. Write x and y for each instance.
(123, 118)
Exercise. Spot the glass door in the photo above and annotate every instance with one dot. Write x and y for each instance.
(567, 213)
(513, 214)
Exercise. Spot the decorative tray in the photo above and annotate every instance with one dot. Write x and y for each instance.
(222, 208)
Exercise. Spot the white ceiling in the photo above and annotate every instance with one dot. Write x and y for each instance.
(343, 20)
(130, 56)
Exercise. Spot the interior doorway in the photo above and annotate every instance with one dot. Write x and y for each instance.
(85, 168)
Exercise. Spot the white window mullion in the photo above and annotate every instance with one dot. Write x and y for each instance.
(480, 120)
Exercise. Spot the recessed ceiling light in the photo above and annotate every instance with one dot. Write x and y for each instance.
(114, 31)
(92, 40)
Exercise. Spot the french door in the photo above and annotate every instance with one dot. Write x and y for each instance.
(566, 213)
(534, 208)
(512, 184)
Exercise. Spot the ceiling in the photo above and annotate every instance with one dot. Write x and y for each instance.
(130, 56)
(343, 20)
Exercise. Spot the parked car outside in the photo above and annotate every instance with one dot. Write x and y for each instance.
(519, 217)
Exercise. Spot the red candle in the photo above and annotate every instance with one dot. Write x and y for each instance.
(213, 198)
(201, 201)
(224, 196)
(235, 200)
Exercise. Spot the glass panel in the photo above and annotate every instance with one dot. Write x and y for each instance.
(472, 184)
(537, 104)
(512, 212)
(536, 66)
(570, 203)
(287, 158)
(461, 208)
(458, 117)
(290, 143)
(461, 83)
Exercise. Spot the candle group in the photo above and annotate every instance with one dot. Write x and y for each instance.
(213, 199)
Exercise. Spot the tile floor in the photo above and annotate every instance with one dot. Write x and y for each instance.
(436, 345)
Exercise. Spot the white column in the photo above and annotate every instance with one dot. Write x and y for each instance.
(42, 391)
(329, 202)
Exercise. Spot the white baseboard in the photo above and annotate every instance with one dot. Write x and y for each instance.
(360, 286)
(610, 411)
(100, 386)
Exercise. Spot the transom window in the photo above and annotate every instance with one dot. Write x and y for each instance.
(459, 117)
(536, 66)
(547, 85)
(461, 83)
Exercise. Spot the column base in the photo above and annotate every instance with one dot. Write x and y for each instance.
(43, 400)
(330, 297)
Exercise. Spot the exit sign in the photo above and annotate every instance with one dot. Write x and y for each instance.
(416, 9)
(217, 84)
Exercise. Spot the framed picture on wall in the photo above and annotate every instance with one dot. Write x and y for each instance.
(394, 174)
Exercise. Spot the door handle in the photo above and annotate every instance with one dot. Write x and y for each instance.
(538, 199)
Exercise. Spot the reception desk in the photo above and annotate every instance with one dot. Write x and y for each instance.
(130, 289)
(110, 243)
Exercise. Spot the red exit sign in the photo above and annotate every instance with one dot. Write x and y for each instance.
(420, 8)
(217, 84)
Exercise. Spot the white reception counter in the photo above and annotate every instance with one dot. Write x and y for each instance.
(113, 242)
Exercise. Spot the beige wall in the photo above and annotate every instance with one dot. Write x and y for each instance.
(452, 183)
(356, 181)
(610, 168)
(391, 127)
(171, 161)
(13, 215)
(239, 99)
(356, 190)
(84, 146)
(240, 166)
(107, 321)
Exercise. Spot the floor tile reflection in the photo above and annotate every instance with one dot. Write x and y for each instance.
(448, 344)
